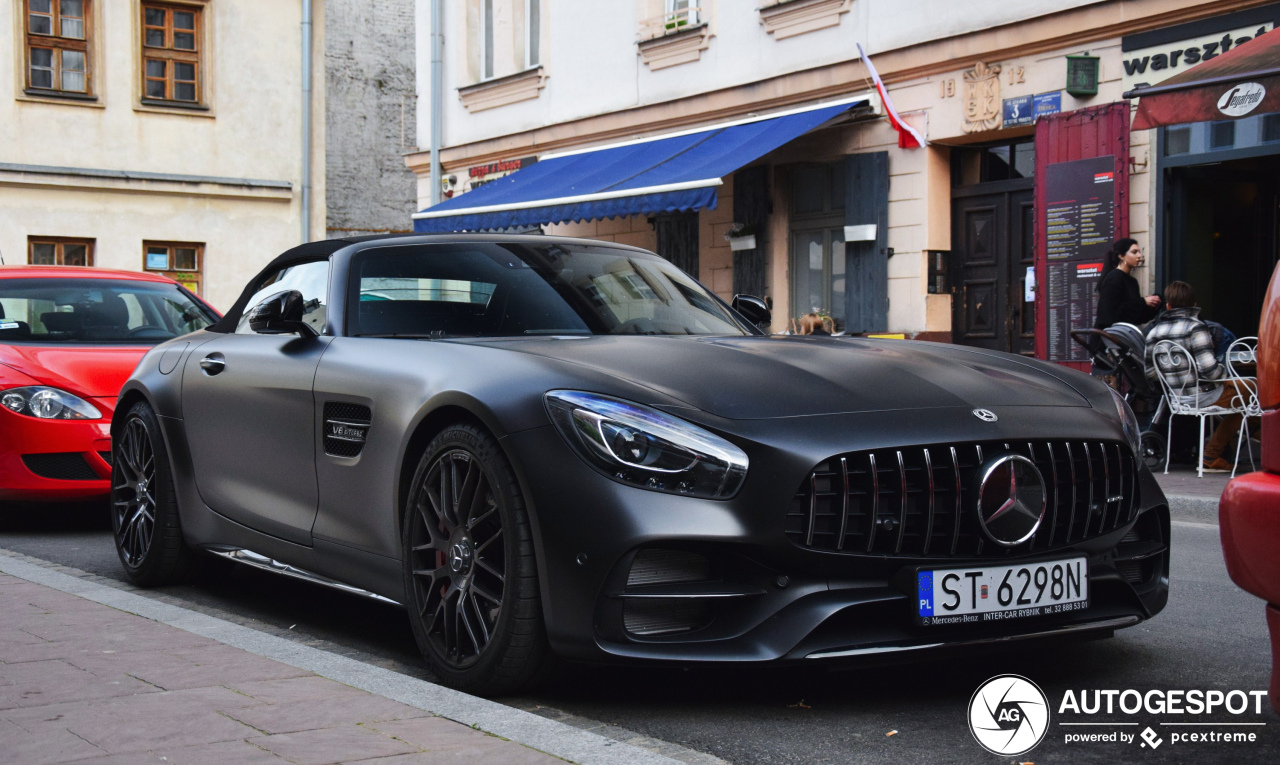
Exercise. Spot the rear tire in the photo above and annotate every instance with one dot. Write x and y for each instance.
(144, 503)
(471, 578)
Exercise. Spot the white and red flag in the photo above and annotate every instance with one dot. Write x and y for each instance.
(908, 138)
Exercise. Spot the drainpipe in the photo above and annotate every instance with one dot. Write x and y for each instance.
(306, 120)
(437, 101)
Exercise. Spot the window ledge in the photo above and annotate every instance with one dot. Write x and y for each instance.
(58, 97)
(796, 17)
(675, 48)
(490, 94)
(157, 106)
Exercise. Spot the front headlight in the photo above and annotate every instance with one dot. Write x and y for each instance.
(646, 448)
(1132, 430)
(48, 404)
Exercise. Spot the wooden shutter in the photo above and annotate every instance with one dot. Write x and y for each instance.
(866, 191)
(751, 207)
(677, 235)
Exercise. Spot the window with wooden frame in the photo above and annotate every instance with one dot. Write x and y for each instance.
(59, 251)
(182, 262)
(59, 37)
(171, 54)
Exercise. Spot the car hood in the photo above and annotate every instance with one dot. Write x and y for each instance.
(782, 376)
(84, 370)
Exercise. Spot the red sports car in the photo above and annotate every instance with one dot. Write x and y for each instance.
(69, 338)
(1250, 507)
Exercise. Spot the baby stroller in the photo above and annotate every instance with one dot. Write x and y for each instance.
(1120, 350)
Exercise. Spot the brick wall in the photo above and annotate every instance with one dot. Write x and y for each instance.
(715, 259)
(634, 230)
(369, 117)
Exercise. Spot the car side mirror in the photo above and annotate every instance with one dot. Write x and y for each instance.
(753, 309)
(281, 314)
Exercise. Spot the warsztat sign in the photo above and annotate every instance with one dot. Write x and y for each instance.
(1150, 58)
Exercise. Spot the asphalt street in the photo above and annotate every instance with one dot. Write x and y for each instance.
(1212, 636)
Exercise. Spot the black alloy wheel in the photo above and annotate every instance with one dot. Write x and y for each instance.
(133, 493)
(469, 565)
(144, 505)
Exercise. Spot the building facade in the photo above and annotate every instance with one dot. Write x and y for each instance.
(370, 105)
(169, 136)
(954, 241)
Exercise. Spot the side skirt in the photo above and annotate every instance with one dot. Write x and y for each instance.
(250, 558)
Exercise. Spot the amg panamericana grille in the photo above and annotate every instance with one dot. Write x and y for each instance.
(921, 501)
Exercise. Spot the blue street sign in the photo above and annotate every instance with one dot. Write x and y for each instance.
(1048, 103)
(1018, 111)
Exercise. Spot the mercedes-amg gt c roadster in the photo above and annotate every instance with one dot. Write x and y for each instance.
(545, 447)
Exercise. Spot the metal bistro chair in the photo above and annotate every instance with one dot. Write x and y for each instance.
(1244, 351)
(1172, 360)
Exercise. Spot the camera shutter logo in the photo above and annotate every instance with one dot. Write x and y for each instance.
(1009, 715)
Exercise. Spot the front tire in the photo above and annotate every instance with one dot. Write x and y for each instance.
(144, 503)
(470, 573)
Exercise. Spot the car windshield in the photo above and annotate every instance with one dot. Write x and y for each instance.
(506, 290)
(96, 311)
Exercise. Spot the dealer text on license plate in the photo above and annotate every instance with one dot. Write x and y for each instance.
(991, 593)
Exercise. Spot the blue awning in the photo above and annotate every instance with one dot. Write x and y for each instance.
(674, 173)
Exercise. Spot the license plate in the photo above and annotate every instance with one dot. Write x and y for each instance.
(992, 593)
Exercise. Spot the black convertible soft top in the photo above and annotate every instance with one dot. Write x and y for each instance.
(303, 252)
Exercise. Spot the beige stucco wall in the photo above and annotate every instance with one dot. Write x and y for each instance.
(252, 70)
(1029, 42)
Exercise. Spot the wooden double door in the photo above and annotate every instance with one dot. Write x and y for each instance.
(992, 241)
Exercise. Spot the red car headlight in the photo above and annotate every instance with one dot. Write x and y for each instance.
(47, 403)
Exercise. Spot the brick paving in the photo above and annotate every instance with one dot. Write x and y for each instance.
(83, 682)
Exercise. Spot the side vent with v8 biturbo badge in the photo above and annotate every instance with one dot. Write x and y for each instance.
(345, 428)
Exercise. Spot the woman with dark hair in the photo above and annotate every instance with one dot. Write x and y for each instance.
(1119, 298)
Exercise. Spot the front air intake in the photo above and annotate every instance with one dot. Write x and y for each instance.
(346, 426)
(663, 616)
(656, 566)
(60, 466)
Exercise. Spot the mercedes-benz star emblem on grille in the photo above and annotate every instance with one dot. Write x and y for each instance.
(986, 415)
(1011, 499)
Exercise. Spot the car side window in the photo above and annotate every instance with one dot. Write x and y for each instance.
(311, 279)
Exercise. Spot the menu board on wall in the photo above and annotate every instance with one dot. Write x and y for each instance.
(1080, 218)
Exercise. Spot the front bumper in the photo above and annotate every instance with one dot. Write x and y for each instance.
(35, 455)
(768, 599)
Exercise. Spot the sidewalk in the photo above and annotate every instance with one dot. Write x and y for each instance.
(80, 681)
(1191, 498)
(94, 674)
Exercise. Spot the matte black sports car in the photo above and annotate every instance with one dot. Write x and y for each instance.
(551, 447)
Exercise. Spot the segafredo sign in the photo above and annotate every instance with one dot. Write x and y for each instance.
(1241, 99)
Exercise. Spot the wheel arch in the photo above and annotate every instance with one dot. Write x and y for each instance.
(131, 395)
(455, 407)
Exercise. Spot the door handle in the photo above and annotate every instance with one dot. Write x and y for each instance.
(213, 364)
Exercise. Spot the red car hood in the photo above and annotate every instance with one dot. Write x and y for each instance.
(84, 370)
